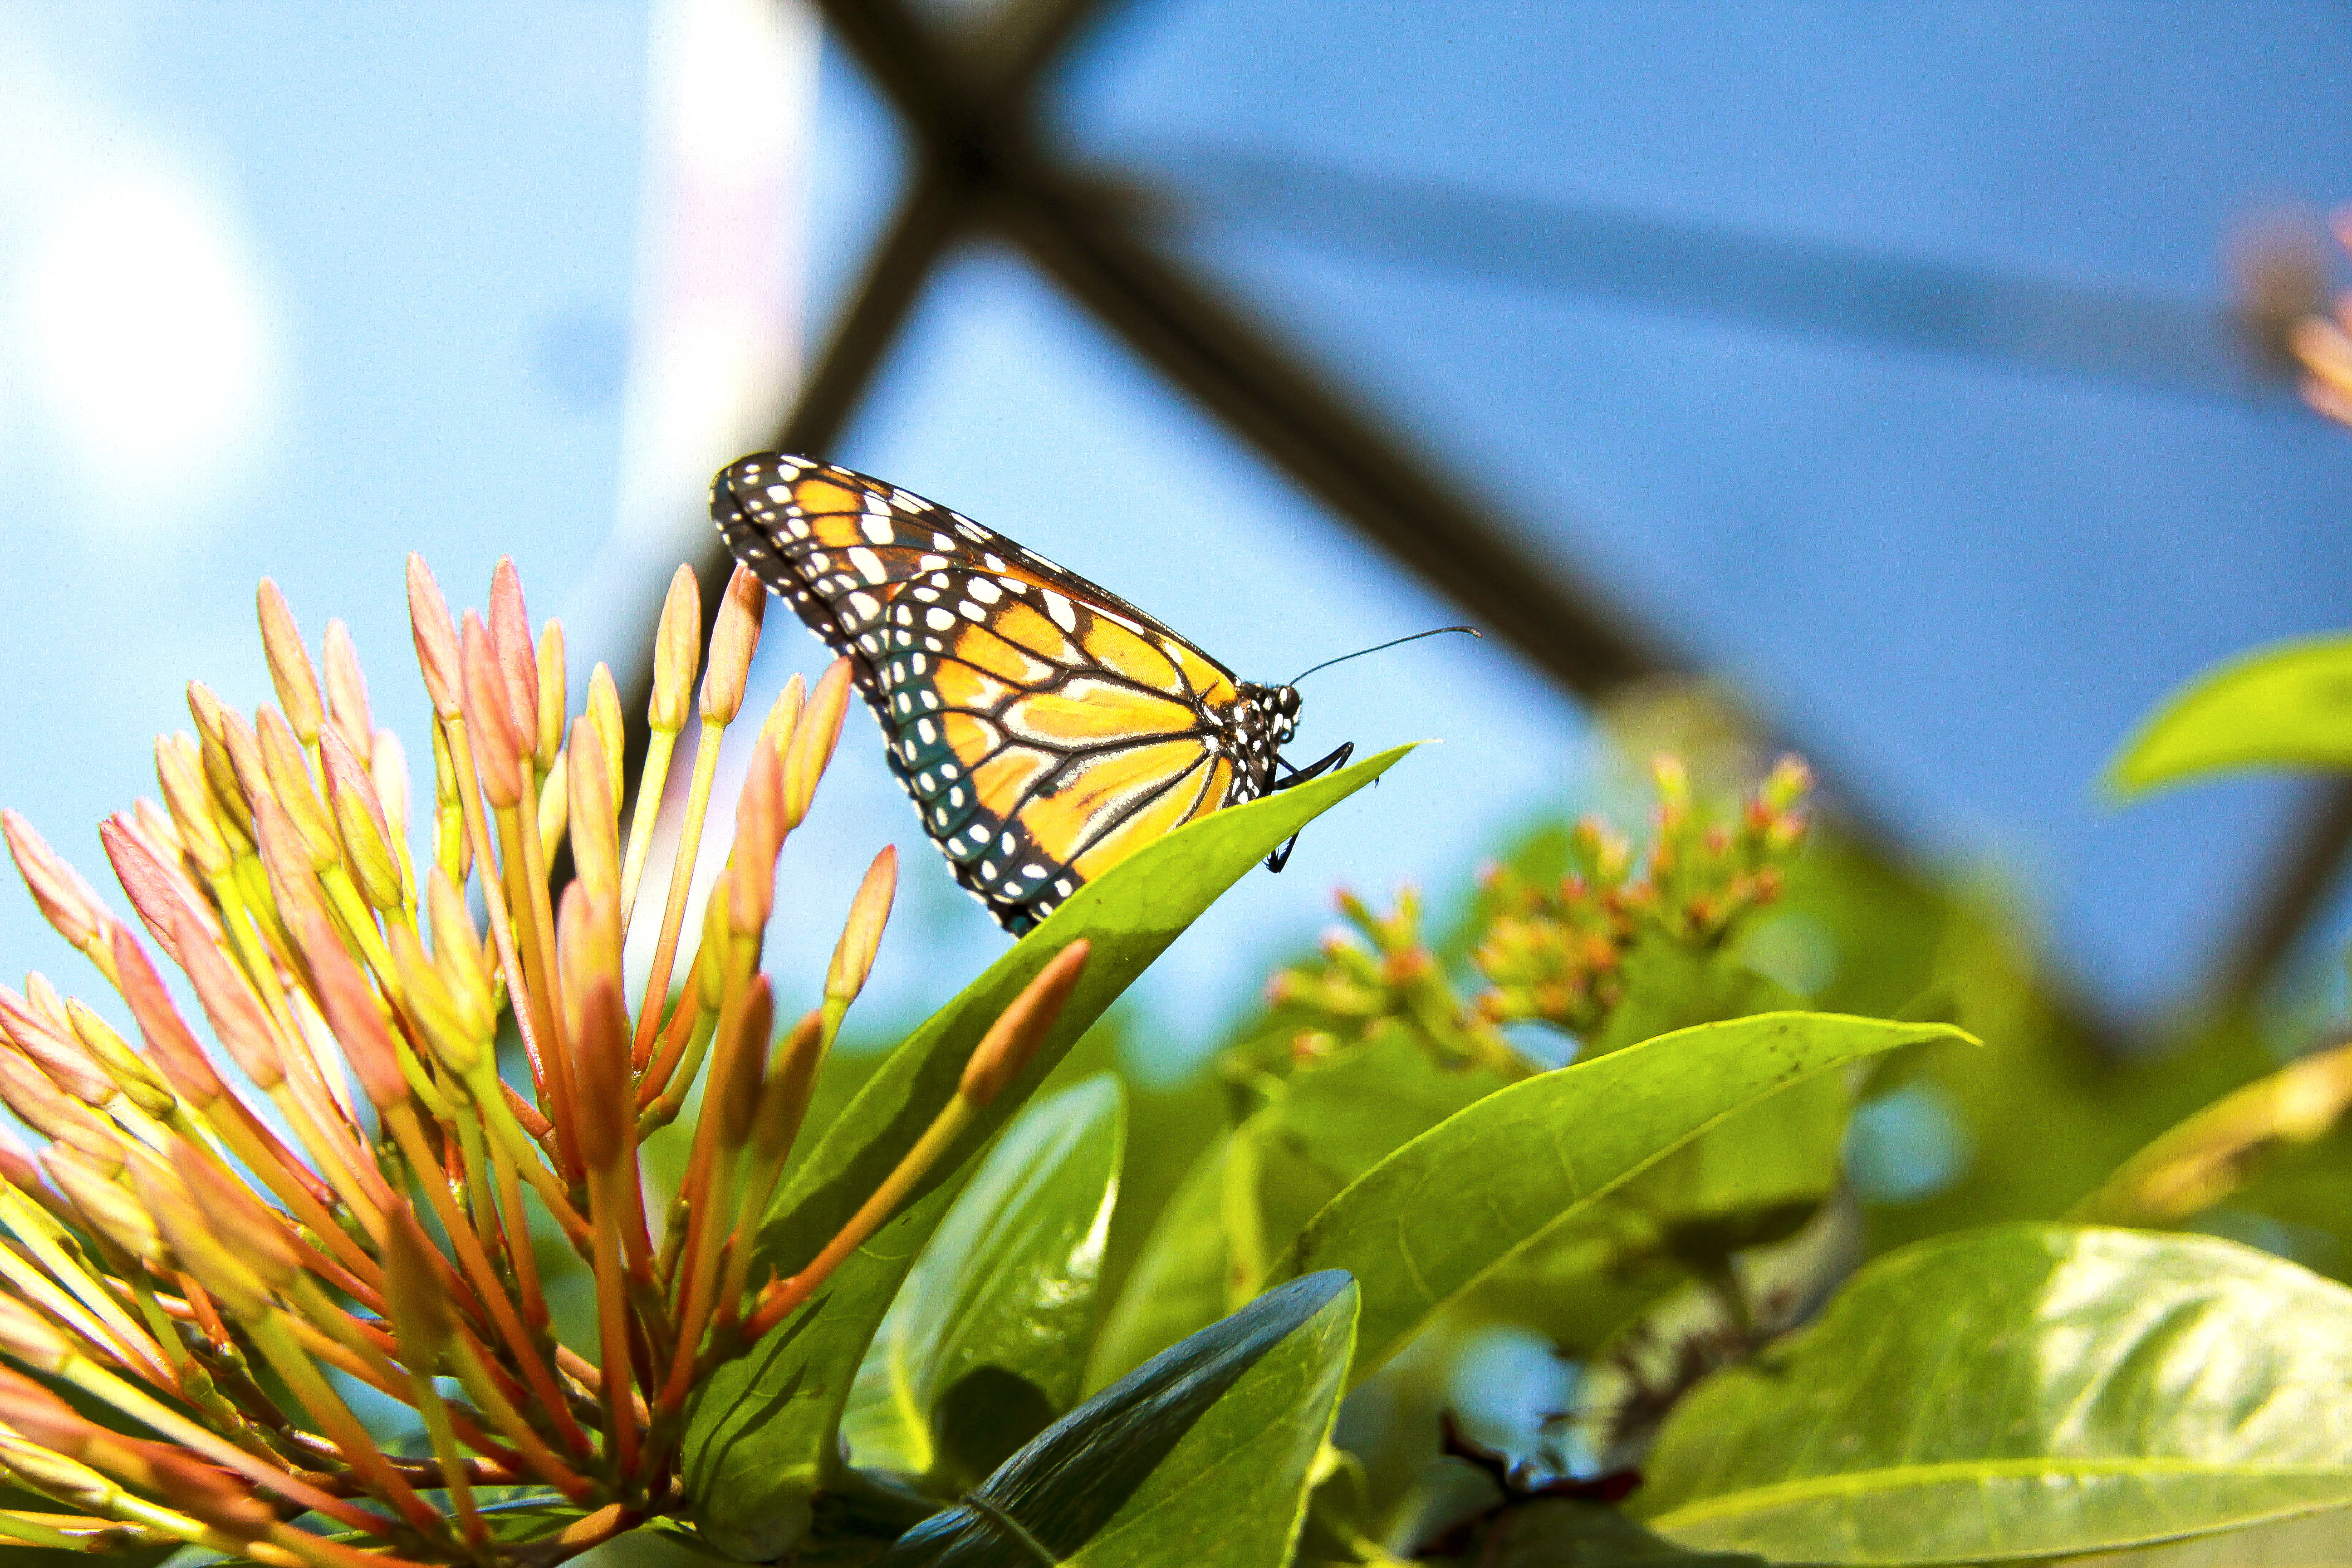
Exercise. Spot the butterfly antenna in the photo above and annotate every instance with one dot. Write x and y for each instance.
(1432, 632)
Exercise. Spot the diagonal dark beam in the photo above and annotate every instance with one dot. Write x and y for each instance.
(1330, 447)
(2293, 893)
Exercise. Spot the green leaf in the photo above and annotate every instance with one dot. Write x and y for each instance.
(2023, 1392)
(987, 1340)
(2287, 705)
(1441, 1214)
(761, 1432)
(1201, 1455)
(1178, 1284)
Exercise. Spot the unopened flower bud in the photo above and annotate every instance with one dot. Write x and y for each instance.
(65, 899)
(791, 1082)
(813, 741)
(489, 719)
(1022, 1027)
(169, 1041)
(517, 660)
(41, 1105)
(178, 769)
(733, 640)
(238, 1023)
(607, 1103)
(604, 714)
(222, 770)
(425, 997)
(360, 825)
(53, 1049)
(288, 772)
(436, 641)
(861, 935)
(290, 664)
(115, 1212)
(347, 696)
(548, 723)
(595, 842)
(741, 1047)
(158, 897)
(350, 1012)
(677, 652)
(129, 1071)
(457, 954)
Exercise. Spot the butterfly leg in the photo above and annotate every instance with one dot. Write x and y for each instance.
(1339, 759)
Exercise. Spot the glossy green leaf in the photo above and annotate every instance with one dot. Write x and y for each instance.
(2027, 1391)
(760, 1439)
(1177, 1283)
(987, 1341)
(2287, 705)
(1201, 1455)
(1441, 1214)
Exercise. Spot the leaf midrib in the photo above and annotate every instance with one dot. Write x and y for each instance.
(1894, 1478)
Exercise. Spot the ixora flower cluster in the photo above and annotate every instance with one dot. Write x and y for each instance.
(1556, 954)
(197, 1247)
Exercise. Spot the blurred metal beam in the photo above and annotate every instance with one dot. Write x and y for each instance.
(1306, 428)
(1981, 313)
(2291, 894)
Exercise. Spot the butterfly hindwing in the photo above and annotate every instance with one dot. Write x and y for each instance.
(1044, 727)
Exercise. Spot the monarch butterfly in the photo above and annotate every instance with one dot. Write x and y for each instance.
(1046, 727)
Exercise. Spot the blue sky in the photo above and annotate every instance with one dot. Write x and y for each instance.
(315, 286)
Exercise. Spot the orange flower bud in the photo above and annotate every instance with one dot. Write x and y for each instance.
(66, 900)
(607, 1103)
(595, 841)
(54, 1050)
(861, 935)
(1022, 1027)
(209, 1496)
(169, 1041)
(242, 1029)
(103, 1203)
(437, 640)
(159, 897)
(42, 1106)
(180, 770)
(359, 823)
(490, 717)
(677, 652)
(517, 661)
(288, 772)
(425, 997)
(813, 741)
(791, 1082)
(290, 664)
(733, 640)
(351, 1010)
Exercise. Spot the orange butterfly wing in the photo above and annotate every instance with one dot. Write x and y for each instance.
(1045, 727)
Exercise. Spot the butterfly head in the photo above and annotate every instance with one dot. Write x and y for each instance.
(1282, 702)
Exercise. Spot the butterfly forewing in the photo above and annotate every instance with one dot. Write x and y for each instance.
(1045, 727)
